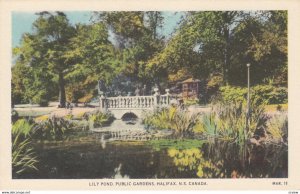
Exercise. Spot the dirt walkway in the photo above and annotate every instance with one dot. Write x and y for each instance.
(52, 110)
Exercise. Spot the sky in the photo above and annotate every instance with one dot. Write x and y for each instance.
(22, 22)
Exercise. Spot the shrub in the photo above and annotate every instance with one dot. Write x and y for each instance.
(227, 122)
(23, 155)
(160, 119)
(81, 115)
(277, 129)
(41, 98)
(214, 84)
(264, 93)
(41, 118)
(69, 117)
(229, 94)
(172, 118)
(100, 119)
(230, 118)
(191, 102)
(52, 128)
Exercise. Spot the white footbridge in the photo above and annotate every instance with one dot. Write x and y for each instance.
(121, 105)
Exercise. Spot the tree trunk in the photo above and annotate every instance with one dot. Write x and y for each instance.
(62, 92)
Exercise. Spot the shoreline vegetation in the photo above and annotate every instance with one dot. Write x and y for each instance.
(203, 138)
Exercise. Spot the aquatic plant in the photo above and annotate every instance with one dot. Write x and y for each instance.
(52, 128)
(175, 144)
(100, 119)
(41, 118)
(81, 115)
(227, 133)
(23, 155)
(160, 118)
(277, 129)
(69, 117)
(172, 118)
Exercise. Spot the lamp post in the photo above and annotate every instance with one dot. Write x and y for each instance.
(248, 99)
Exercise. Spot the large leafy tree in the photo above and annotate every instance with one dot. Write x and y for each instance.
(95, 60)
(31, 85)
(201, 44)
(222, 42)
(137, 38)
(44, 50)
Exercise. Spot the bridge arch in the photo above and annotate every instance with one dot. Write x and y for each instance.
(129, 116)
(119, 113)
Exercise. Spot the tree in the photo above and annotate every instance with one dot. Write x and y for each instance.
(32, 85)
(222, 42)
(45, 49)
(95, 59)
(138, 40)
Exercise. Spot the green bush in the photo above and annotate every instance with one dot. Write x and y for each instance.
(191, 102)
(41, 98)
(227, 123)
(100, 119)
(230, 119)
(52, 128)
(263, 93)
(213, 85)
(277, 129)
(172, 118)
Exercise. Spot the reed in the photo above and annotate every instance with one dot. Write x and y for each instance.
(181, 122)
(23, 155)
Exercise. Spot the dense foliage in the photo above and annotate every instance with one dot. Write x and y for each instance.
(100, 119)
(263, 93)
(172, 118)
(127, 50)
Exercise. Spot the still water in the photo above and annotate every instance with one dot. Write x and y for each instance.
(96, 154)
(88, 158)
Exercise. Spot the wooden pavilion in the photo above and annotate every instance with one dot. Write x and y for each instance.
(190, 88)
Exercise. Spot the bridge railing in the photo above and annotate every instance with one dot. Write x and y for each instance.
(128, 102)
(164, 100)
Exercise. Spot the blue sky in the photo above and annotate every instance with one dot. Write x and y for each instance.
(22, 22)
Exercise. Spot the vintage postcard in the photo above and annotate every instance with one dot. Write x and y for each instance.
(100, 95)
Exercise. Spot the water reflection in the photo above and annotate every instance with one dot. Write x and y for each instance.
(103, 141)
(193, 160)
(120, 125)
(118, 174)
(90, 155)
(87, 158)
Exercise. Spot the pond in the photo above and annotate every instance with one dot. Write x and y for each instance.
(87, 158)
(87, 155)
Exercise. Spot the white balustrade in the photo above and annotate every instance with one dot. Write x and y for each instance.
(128, 102)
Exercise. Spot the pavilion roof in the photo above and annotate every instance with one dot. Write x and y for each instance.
(190, 80)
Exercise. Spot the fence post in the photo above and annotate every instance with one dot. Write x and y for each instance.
(102, 103)
(168, 96)
(156, 98)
